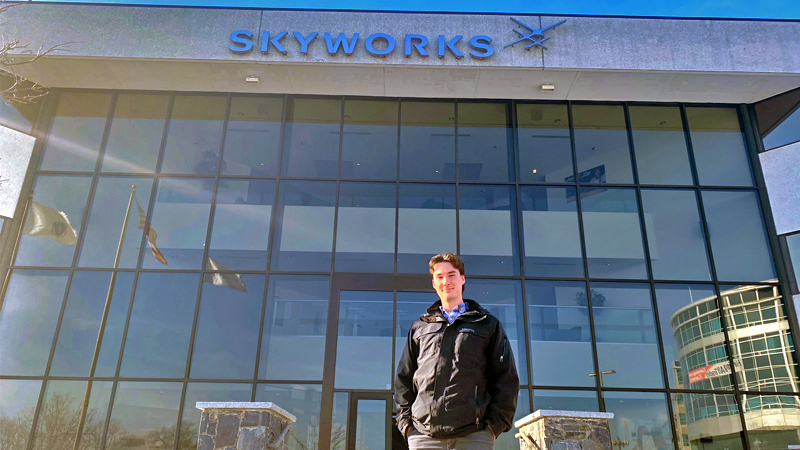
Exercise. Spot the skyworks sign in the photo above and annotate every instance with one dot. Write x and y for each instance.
(382, 44)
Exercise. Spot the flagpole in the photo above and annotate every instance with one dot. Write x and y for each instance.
(111, 284)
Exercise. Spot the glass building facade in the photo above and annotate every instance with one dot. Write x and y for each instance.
(275, 248)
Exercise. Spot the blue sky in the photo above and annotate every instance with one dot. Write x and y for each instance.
(756, 9)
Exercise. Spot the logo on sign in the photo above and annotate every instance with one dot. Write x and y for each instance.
(534, 35)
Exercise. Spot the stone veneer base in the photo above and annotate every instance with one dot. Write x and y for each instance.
(242, 426)
(565, 430)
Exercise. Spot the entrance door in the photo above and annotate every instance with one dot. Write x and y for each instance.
(368, 323)
(369, 421)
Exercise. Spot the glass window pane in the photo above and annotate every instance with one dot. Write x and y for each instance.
(194, 135)
(180, 219)
(410, 306)
(17, 116)
(104, 224)
(304, 226)
(370, 432)
(719, 148)
(365, 328)
(206, 392)
(761, 338)
(565, 400)
(137, 130)
(626, 335)
(488, 229)
(77, 334)
(507, 441)
(710, 422)
(691, 332)
(779, 119)
(295, 321)
(75, 132)
(160, 326)
(738, 236)
(793, 244)
(304, 402)
(365, 229)
(53, 222)
(253, 136)
(641, 418)
(240, 233)
(773, 421)
(558, 325)
(426, 225)
(17, 409)
(502, 298)
(550, 231)
(144, 415)
(218, 352)
(545, 149)
(427, 141)
(311, 138)
(613, 234)
(660, 145)
(369, 144)
(28, 320)
(61, 411)
(484, 149)
(675, 236)
(601, 144)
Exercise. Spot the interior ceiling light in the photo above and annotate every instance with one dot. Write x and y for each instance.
(251, 79)
(547, 87)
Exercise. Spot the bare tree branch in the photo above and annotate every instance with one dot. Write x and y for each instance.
(14, 53)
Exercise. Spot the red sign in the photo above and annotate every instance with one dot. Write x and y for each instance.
(713, 371)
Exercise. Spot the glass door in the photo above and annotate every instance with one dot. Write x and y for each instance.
(368, 323)
(370, 421)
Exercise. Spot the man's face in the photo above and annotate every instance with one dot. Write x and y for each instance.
(448, 282)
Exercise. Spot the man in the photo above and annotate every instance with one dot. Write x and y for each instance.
(457, 384)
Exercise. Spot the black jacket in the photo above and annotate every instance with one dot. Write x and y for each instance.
(455, 379)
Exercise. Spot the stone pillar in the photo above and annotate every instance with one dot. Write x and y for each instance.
(564, 430)
(243, 426)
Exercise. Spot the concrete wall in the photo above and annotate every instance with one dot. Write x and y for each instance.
(580, 43)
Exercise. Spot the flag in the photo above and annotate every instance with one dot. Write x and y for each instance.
(151, 241)
(142, 216)
(231, 280)
(151, 235)
(50, 223)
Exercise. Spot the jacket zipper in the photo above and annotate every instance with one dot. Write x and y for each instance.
(505, 343)
(477, 409)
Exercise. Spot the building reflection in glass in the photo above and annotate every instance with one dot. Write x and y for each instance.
(763, 360)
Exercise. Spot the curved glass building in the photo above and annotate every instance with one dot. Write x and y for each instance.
(763, 358)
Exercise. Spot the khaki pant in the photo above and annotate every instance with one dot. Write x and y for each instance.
(479, 440)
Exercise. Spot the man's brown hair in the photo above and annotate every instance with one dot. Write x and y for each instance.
(452, 258)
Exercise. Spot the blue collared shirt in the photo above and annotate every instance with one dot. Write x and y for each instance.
(451, 316)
